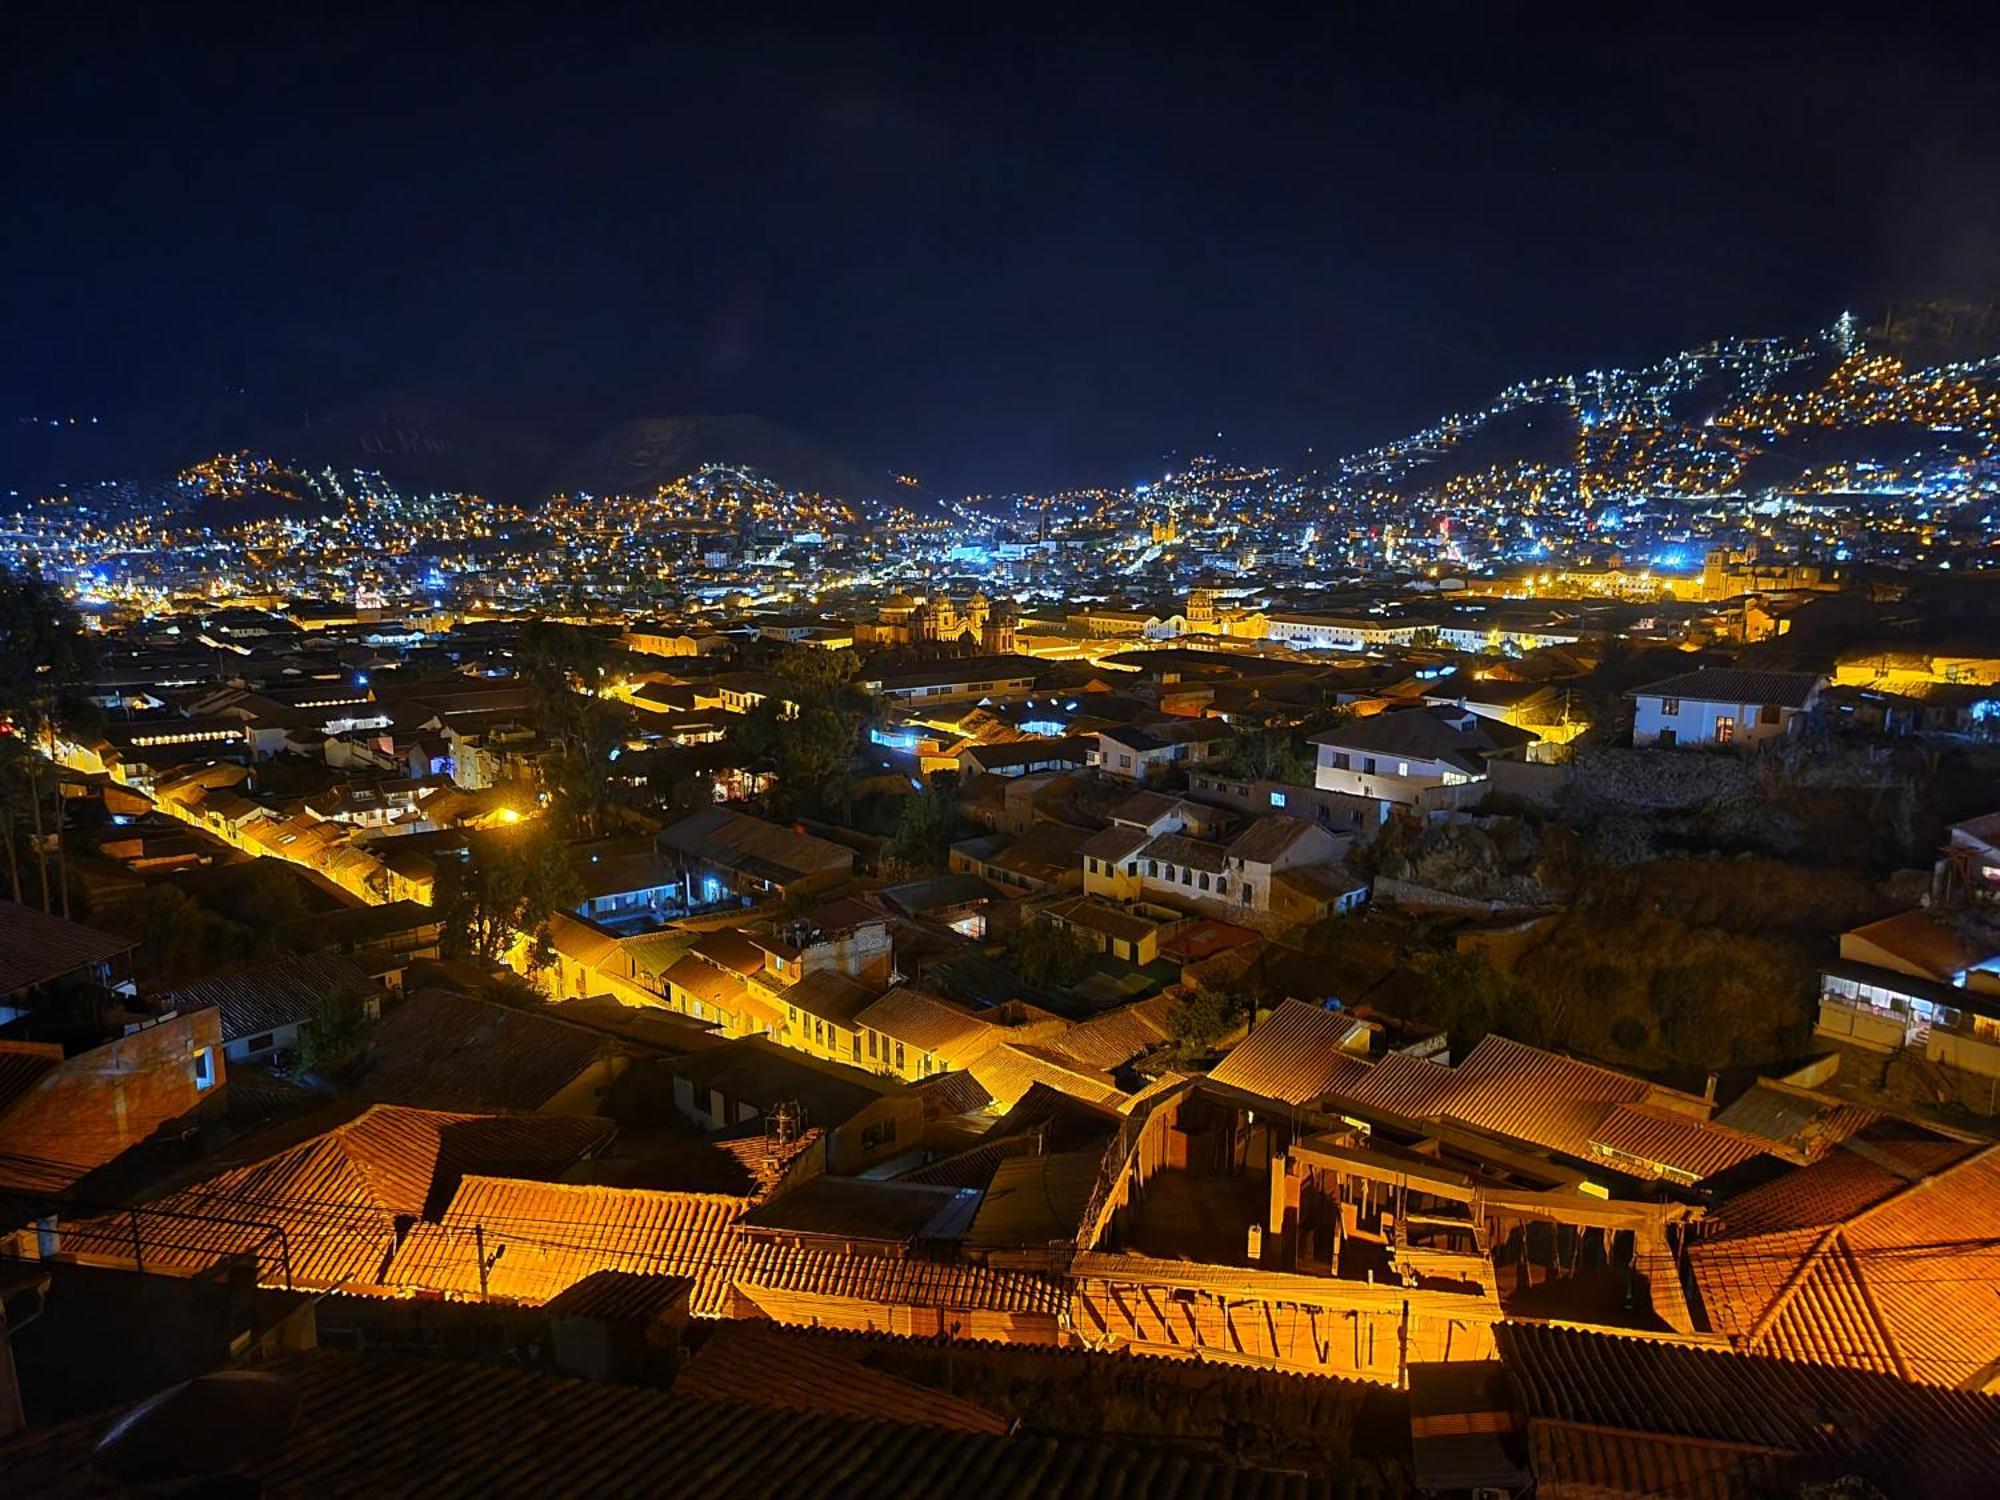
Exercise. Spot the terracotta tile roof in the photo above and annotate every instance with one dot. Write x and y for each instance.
(443, 1050)
(622, 1295)
(1112, 1038)
(541, 1238)
(707, 983)
(953, 1093)
(1011, 1069)
(729, 949)
(378, 1424)
(1297, 1054)
(1727, 685)
(22, 1066)
(856, 1209)
(1925, 944)
(1577, 1461)
(325, 1211)
(1909, 1439)
(1179, 850)
(1843, 1184)
(1143, 808)
(830, 995)
(1864, 1266)
(36, 947)
(1267, 839)
(1113, 844)
(761, 1365)
(929, 1024)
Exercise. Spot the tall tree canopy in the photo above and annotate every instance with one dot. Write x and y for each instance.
(565, 671)
(512, 881)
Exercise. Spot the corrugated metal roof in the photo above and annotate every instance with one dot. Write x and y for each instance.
(896, 1281)
(1297, 1054)
(1686, 1147)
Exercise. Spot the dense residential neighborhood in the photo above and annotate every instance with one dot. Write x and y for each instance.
(884, 1035)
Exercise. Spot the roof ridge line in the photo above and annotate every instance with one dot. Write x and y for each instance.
(1801, 1273)
(1866, 1295)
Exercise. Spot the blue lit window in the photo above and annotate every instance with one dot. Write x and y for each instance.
(1277, 799)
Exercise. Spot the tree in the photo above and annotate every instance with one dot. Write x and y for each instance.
(922, 843)
(1202, 1017)
(509, 885)
(330, 1043)
(1468, 997)
(1047, 955)
(565, 671)
(173, 934)
(45, 657)
(1267, 755)
(269, 904)
(813, 751)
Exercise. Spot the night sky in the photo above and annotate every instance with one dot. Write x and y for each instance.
(1012, 256)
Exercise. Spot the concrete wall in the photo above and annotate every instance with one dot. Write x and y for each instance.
(1862, 1027)
(1970, 1053)
(1695, 722)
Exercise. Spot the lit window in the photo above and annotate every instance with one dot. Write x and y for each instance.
(1670, 705)
(1402, 768)
(1277, 799)
(204, 1068)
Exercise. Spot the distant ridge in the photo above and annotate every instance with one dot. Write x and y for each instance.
(638, 456)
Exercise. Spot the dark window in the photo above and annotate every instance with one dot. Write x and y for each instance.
(1670, 705)
(263, 1043)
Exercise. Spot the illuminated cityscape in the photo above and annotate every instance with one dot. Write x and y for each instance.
(842, 765)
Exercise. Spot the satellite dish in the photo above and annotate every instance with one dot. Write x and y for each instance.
(212, 1424)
